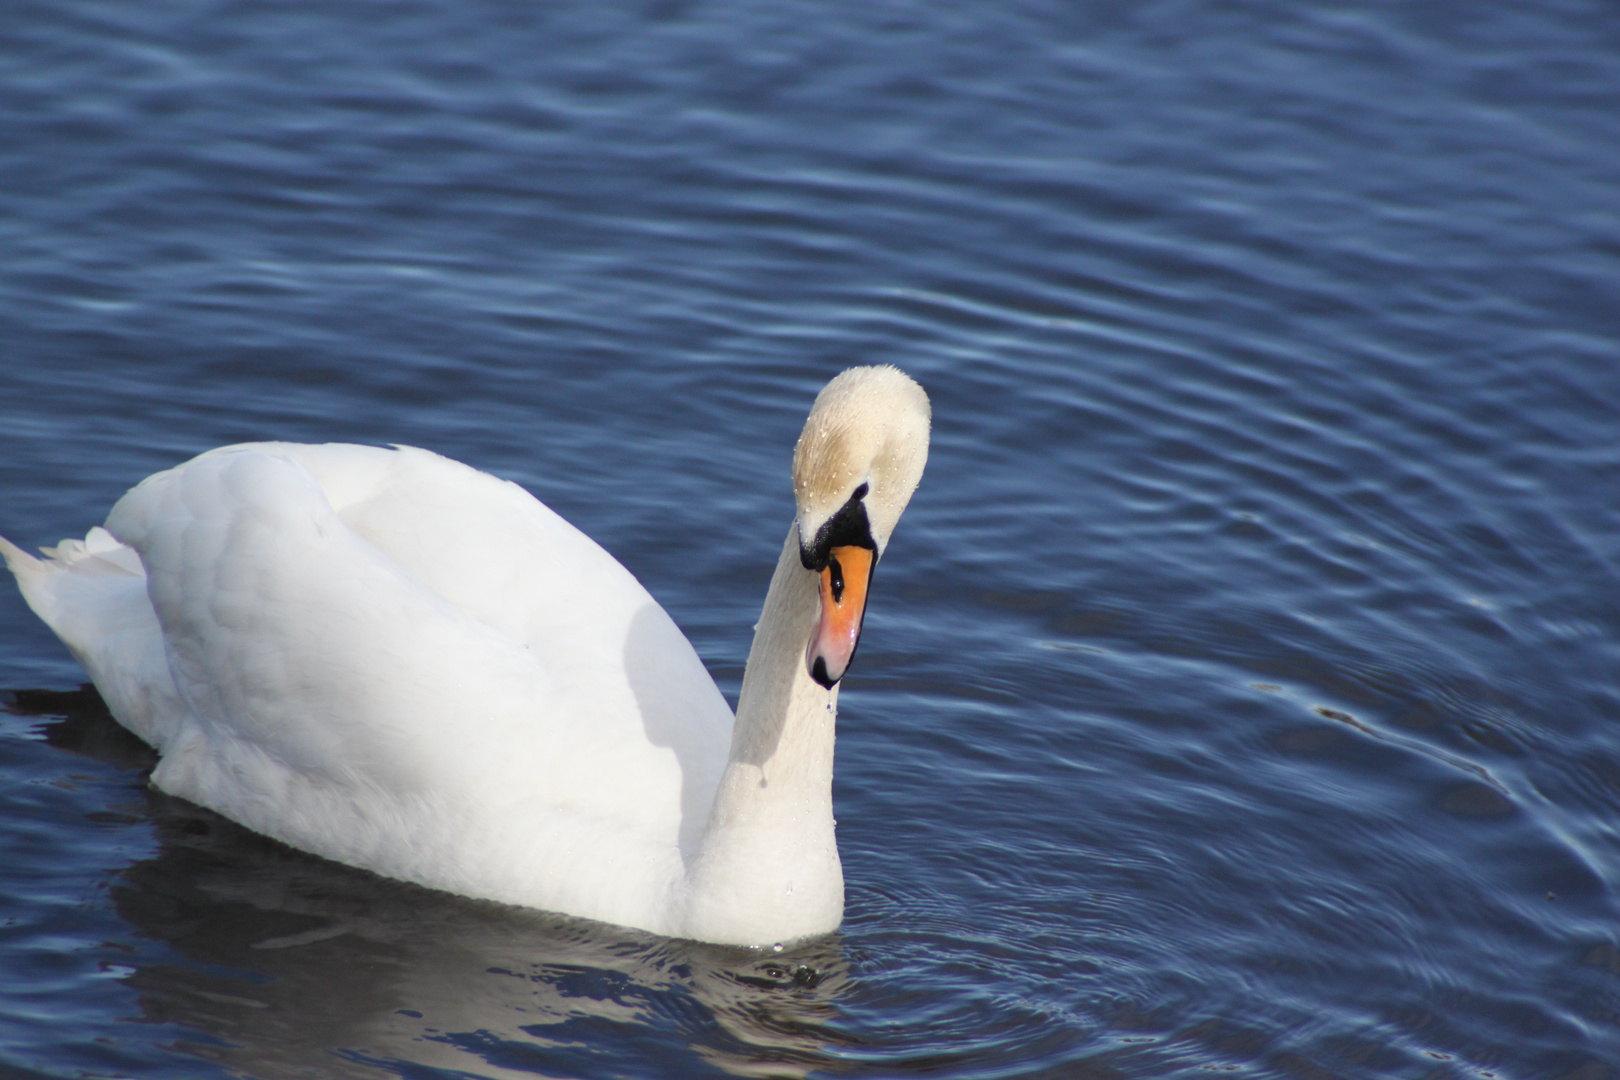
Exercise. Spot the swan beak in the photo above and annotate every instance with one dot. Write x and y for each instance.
(844, 581)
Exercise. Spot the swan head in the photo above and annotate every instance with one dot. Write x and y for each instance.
(857, 462)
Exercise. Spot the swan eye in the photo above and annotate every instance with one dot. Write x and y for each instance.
(835, 579)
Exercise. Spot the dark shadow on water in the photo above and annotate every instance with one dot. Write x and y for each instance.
(289, 965)
(83, 725)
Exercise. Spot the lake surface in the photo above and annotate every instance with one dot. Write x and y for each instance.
(1239, 693)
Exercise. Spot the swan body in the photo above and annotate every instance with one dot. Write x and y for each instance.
(390, 659)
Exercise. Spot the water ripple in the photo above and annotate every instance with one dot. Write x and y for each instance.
(1237, 694)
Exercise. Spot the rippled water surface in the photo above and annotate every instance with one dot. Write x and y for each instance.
(1239, 693)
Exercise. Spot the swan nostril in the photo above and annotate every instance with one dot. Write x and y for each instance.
(835, 579)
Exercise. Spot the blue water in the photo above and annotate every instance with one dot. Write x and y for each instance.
(1239, 693)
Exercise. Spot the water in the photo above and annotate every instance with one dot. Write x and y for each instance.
(1239, 693)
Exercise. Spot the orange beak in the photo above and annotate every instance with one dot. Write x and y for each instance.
(844, 582)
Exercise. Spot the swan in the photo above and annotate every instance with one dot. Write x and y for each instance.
(390, 659)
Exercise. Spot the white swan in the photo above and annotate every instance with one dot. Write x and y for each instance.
(395, 661)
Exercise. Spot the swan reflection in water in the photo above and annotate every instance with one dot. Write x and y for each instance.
(295, 966)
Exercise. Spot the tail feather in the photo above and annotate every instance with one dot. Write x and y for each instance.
(31, 574)
(41, 580)
(16, 558)
(92, 593)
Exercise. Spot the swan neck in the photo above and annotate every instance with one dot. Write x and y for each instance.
(784, 718)
(768, 866)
